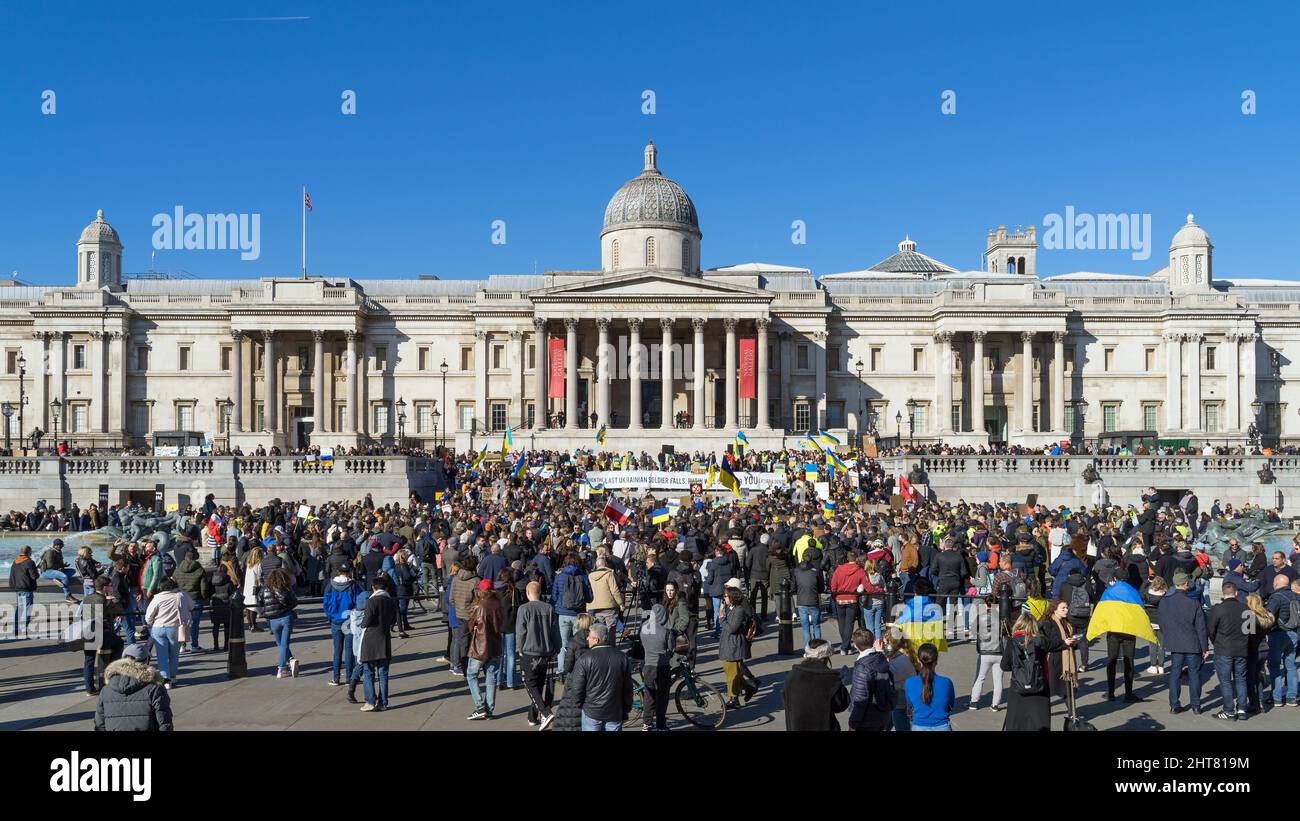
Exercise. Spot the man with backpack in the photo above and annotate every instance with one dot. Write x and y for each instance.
(1284, 604)
(874, 694)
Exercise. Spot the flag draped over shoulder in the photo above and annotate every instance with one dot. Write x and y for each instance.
(921, 620)
(1120, 610)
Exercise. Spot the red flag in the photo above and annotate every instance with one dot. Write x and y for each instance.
(909, 493)
(306, 200)
(616, 511)
(748, 368)
(555, 383)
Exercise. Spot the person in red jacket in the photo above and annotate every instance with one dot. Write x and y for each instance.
(846, 583)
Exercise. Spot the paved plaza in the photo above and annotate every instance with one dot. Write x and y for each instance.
(40, 689)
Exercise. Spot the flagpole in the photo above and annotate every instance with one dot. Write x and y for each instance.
(304, 232)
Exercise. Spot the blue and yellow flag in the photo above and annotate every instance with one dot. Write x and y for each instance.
(780, 468)
(1120, 610)
(826, 439)
(828, 508)
(742, 441)
(521, 464)
(727, 477)
(834, 461)
(921, 620)
(596, 487)
(600, 436)
(812, 443)
(710, 477)
(507, 443)
(478, 461)
(810, 472)
(660, 515)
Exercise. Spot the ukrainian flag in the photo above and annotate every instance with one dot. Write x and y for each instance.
(812, 443)
(921, 620)
(521, 465)
(507, 443)
(835, 461)
(596, 487)
(1120, 611)
(600, 436)
(727, 477)
(327, 458)
(674, 505)
(710, 477)
(479, 460)
(828, 508)
(827, 439)
(742, 441)
(780, 468)
(810, 472)
(660, 515)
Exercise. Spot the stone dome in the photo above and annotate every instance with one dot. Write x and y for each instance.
(651, 200)
(100, 231)
(1190, 234)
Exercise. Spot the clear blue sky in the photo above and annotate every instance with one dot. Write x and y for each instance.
(766, 113)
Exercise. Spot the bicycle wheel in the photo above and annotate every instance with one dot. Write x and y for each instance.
(700, 704)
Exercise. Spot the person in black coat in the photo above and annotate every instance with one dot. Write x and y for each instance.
(814, 692)
(758, 573)
(1027, 649)
(377, 643)
(1227, 633)
(873, 695)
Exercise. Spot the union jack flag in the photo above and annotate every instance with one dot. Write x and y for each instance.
(306, 200)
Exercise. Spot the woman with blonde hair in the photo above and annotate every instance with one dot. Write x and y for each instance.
(252, 586)
(1024, 656)
(1256, 650)
(904, 664)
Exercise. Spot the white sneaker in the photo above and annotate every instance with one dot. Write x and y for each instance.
(1153, 670)
(293, 667)
(546, 722)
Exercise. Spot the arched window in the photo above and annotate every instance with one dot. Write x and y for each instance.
(613, 254)
(1020, 265)
(1011, 265)
(649, 250)
(686, 255)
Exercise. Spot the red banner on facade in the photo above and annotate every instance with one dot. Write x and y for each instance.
(555, 383)
(748, 367)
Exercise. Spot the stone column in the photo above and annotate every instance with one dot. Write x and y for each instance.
(97, 415)
(1174, 381)
(270, 377)
(1194, 382)
(666, 371)
(602, 371)
(354, 382)
(319, 423)
(58, 371)
(1232, 354)
(542, 340)
(634, 373)
(732, 376)
(943, 382)
(1058, 382)
(1027, 381)
(762, 422)
(571, 374)
(36, 414)
(977, 382)
(481, 378)
(117, 407)
(819, 353)
(698, 350)
(1248, 378)
(785, 378)
(237, 382)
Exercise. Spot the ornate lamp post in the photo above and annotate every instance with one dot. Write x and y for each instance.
(898, 425)
(911, 422)
(57, 407)
(7, 410)
(861, 407)
(22, 393)
(443, 368)
(436, 415)
(401, 421)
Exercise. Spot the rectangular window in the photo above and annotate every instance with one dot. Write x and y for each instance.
(227, 414)
(1109, 361)
(918, 418)
(956, 416)
(79, 357)
(140, 418)
(1109, 417)
(304, 359)
(341, 414)
(424, 418)
(834, 414)
(498, 356)
(1212, 418)
(467, 358)
(424, 359)
(381, 357)
(1150, 412)
(183, 361)
(832, 358)
(1071, 420)
(11, 362)
(530, 414)
(802, 416)
(1209, 358)
(918, 360)
(1149, 360)
(1037, 359)
(80, 417)
(381, 419)
(801, 361)
(1037, 410)
(142, 358)
(532, 357)
(993, 359)
(1069, 359)
(259, 413)
(876, 354)
(498, 416)
(771, 357)
(226, 353)
(466, 412)
(185, 417)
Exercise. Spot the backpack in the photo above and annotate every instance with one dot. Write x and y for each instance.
(1080, 606)
(573, 597)
(1019, 588)
(1292, 620)
(166, 565)
(1026, 672)
(884, 692)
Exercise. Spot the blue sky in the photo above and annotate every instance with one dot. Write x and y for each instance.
(766, 113)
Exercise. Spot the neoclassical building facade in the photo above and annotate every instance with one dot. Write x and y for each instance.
(657, 349)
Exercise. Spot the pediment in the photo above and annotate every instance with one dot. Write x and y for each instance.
(648, 285)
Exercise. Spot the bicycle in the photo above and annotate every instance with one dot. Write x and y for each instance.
(697, 701)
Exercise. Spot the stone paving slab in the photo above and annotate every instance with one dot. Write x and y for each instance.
(40, 688)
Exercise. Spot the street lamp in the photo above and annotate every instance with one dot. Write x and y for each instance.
(436, 416)
(401, 421)
(443, 368)
(57, 407)
(7, 410)
(860, 405)
(22, 392)
(1252, 432)
(911, 422)
(898, 425)
(227, 413)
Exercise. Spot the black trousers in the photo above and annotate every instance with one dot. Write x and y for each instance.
(847, 616)
(1117, 645)
(757, 599)
(460, 646)
(539, 695)
(657, 679)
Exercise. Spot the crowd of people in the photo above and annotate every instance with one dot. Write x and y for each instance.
(540, 587)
